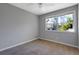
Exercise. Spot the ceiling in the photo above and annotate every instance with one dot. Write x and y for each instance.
(44, 8)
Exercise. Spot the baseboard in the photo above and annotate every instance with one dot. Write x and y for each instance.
(17, 44)
(60, 43)
(35, 39)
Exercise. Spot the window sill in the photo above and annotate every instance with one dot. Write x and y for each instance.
(59, 31)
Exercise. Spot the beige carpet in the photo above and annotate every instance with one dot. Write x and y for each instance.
(41, 47)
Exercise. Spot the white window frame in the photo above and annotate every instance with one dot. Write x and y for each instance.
(62, 14)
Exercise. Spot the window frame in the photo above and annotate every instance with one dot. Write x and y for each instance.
(62, 14)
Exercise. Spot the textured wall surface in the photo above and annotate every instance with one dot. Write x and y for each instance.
(16, 25)
(64, 37)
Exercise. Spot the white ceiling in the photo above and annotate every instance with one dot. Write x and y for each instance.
(46, 7)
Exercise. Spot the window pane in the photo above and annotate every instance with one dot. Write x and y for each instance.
(51, 23)
(60, 23)
(65, 23)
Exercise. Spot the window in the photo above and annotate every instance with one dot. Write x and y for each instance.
(60, 23)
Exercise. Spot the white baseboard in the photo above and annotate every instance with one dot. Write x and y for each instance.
(17, 44)
(35, 39)
(60, 43)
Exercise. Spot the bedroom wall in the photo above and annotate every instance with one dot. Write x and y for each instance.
(78, 25)
(70, 38)
(16, 26)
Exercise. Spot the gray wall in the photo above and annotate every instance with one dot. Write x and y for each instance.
(78, 24)
(64, 37)
(16, 26)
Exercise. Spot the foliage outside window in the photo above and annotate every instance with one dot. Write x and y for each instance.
(60, 23)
